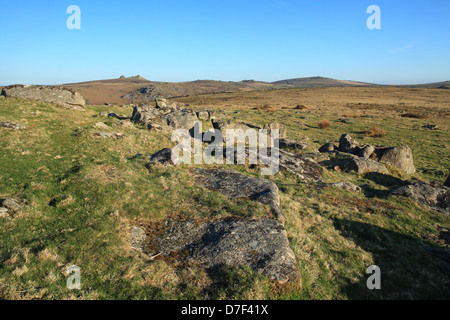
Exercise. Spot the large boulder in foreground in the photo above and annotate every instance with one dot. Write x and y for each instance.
(58, 95)
(432, 195)
(260, 244)
(399, 157)
(236, 185)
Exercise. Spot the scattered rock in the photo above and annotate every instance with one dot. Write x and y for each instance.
(431, 127)
(12, 125)
(101, 125)
(345, 186)
(328, 147)
(429, 194)
(399, 157)
(122, 123)
(361, 165)
(113, 135)
(11, 205)
(58, 95)
(164, 157)
(260, 244)
(236, 185)
(349, 121)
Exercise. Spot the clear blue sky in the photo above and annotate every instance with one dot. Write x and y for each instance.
(182, 40)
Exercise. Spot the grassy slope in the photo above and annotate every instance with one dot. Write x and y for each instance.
(84, 192)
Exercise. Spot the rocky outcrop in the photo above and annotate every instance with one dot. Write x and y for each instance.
(12, 125)
(429, 194)
(260, 244)
(235, 185)
(447, 182)
(399, 157)
(58, 95)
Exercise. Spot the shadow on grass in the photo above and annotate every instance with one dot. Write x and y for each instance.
(410, 268)
(384, 180)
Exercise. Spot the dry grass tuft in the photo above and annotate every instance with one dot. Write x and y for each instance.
(375, 132)
(325, 124)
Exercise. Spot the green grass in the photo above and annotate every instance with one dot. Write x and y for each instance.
(83, 193)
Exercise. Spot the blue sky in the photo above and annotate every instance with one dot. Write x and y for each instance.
(183, 40)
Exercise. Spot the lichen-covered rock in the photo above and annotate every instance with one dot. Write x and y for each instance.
(432, 195)
(260, 244)
(184, 119)
(361, 165)
(58, 95)
(293, 144)
(399, 157)
(137, 238)
(235, 185)
(301, 165)
(224, 125)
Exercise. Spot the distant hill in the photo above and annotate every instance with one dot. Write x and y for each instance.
(320, 82)
(434, 85)
(137, 89)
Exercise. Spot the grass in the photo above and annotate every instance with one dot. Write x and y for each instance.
(83, 193)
